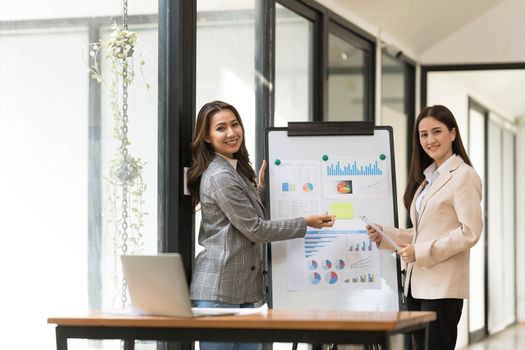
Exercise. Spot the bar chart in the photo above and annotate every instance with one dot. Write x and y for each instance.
(316, 241)
(354, 169)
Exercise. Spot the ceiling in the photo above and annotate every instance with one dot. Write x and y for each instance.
(418, 24)
(425, 26)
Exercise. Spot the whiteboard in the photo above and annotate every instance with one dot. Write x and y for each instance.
(334, 268)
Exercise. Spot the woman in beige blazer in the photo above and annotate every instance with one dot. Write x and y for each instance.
(443, 196)
(228, 272)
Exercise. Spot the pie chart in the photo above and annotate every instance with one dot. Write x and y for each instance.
(340, 264)
(308, 187)
(312, 265)
(327, 264)
(331, 277)
(315, 278)
(344, 187)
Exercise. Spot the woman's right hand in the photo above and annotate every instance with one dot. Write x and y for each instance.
(373, 235)
(319, 221)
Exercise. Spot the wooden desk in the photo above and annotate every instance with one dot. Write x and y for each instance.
(314, 327)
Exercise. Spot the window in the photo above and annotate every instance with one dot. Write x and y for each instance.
(397, 110)
(349, 74)
(500, 225)
(225, 59)
(56, 146)
(477, 156)
(225, 62)
(293, 67)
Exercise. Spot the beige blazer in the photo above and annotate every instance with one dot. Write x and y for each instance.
(450, 223)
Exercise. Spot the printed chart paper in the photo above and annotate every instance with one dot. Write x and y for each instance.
(311, 170)
(358, 177)
(341, 257)
(297, 189)
(334, 259)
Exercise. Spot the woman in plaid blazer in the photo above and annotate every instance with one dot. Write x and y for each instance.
(228, 272)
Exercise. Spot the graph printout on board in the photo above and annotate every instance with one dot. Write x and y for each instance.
(298, 189)
(334, 259)
(341, 257)
(349, 176)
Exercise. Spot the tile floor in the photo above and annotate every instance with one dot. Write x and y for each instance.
(512, 338)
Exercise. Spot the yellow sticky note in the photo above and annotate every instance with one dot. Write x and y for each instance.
(341, 210)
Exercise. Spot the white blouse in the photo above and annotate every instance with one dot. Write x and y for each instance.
(431, 173)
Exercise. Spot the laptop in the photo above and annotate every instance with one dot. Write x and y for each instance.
(157, 286)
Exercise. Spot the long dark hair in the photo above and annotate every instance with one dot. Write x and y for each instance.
(420, 160)
(203, 153)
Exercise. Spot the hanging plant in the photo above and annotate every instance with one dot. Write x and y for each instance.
(124, 181)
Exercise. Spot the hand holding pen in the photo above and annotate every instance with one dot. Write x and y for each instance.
(320, 221)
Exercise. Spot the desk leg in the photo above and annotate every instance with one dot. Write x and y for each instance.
(129, 344)
(317, 346)
(425, 345)
(385, 343)
(61, 339)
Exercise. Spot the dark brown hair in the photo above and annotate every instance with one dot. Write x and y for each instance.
(203, 153)
(420, 160)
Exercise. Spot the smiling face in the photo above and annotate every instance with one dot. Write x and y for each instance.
(226, 133)
(436, 139)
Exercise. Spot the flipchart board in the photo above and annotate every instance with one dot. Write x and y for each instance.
(346, 169)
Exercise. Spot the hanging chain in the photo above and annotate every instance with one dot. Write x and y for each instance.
(125, 14)
(124, 152)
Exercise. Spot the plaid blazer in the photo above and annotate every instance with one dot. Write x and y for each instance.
(233, 226)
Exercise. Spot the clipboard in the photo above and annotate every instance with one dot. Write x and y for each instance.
(380, 232)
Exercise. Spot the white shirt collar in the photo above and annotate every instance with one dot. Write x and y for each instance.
(233, 162)
(432, 172)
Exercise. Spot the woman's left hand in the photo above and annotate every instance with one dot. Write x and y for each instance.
(262, 172)
(407, 253)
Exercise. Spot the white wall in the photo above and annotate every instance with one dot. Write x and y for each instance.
(520, 220)
(449, 86)
(442, 89)
(483, 40)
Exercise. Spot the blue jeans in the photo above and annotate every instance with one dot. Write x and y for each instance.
(225, 346)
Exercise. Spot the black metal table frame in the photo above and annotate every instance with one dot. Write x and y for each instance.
(176, 334)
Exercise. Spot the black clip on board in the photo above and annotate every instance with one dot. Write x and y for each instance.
(330, 128)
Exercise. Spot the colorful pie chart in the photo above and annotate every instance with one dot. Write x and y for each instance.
(312, 265)
(315, 278)
(344, 187)
(331, 277)
(308, 187)
(340, 264)
(327, 264)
